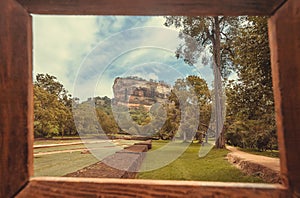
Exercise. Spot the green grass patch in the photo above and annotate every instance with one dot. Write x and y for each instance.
(212, 167)
(268, 153)
(62, 163)
(156, 144)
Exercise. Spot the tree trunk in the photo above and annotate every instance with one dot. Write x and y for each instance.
(220, 141)
(184, 136)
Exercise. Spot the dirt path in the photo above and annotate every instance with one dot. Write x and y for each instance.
(267, 168)
(270, 162)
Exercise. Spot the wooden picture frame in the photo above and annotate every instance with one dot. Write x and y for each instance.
(16, 101)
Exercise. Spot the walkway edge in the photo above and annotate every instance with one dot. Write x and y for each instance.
(253, 168)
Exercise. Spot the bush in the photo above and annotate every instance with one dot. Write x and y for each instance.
(252, 134)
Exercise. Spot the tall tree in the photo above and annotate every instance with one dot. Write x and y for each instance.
(250, 97)
(186, 90)
(215, 32)
(53, 86)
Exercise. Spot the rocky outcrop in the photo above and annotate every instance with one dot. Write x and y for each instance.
(134, 91)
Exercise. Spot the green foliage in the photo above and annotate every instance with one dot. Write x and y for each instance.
(216, 33)
(171, 124)
(105, 115)
(52, 86)
(95, 116)
(250, 109)
(52, 109)
(240, 44)
(252, 134)
(140, 115)
(186, 90)
(85, 118)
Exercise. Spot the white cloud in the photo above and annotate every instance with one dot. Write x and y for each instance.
(60, 44)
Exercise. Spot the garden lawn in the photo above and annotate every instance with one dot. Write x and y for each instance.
(61, 163)
(212, 167)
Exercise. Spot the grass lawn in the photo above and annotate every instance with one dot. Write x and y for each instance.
(213, 167)
(267, 153)
(61, 163)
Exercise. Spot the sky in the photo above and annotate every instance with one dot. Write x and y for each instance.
(86, 53)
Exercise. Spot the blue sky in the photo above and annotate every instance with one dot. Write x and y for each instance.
(86, 53)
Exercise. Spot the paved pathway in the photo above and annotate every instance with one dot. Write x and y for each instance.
(56, 145)
(269, 162)
(115, 142)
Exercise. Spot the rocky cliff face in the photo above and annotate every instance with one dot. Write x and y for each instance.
(134, 91)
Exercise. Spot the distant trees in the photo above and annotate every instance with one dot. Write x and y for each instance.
(54, 115)
(105, 115)
(95, 117)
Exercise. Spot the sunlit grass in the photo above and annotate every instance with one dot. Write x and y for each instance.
(213, 167)
(61, 163)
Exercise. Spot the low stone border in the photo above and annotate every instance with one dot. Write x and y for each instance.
(147, 142)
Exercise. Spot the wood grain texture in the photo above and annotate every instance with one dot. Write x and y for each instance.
(284, 34)
(88, 187)
(16, 98)
(153, 7)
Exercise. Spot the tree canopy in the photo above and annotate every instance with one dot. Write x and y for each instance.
(52, 108)
(215, 33)
(239, 44)
(250, 111)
